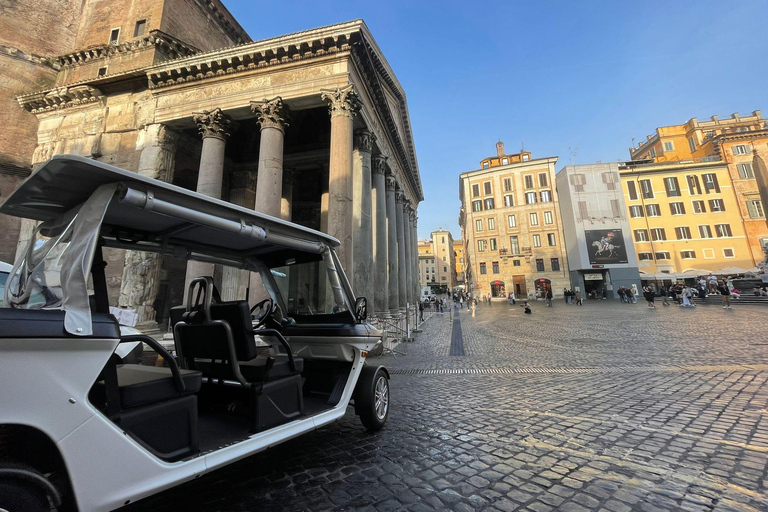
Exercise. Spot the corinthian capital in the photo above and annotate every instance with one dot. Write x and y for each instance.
(271, 113)
(212, 124)
(400, 197)
(379, 164)
(364, 140)
(343, 101)
(391, 183)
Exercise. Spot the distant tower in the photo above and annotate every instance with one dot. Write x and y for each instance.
(499, 148)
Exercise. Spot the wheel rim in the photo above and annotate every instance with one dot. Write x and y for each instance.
(381, 397)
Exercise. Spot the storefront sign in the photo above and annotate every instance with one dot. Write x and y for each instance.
(593, 277)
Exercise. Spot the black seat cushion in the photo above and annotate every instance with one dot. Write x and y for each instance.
(238, 315)
(141, 385)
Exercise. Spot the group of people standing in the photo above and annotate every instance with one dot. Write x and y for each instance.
(682, 294)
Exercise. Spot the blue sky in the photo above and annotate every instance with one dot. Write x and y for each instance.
(551, 75)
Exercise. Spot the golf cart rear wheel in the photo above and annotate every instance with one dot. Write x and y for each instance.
(21, 496)
(372, 398)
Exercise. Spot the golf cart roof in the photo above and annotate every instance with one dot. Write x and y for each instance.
(150, 215)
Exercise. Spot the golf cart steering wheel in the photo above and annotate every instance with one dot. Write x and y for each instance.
(265, 307)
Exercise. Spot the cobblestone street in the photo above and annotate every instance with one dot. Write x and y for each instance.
(602, 407)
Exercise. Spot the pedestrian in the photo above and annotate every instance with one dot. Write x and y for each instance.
(725, 293)
(549, 297)
(622, 294)
(489, 298)
(578, 299)
(421, 311)
(687, 295)
(665, 295)
(713, 285)
(566, 295)
(526, 308)
(633, 294)
(649, 296)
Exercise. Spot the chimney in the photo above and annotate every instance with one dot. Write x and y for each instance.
(714, 118)
(499, 148)
(757, 114)
(735, 116)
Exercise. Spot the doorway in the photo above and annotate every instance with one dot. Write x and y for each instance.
(518, 282)
(542, 287)
(497, 289)
(594, 286)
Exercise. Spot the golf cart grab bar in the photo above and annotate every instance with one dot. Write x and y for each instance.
(147, 201)
(157, 347)
(283, 342)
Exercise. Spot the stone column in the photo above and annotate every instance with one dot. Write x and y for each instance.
(344, 105)
(379, 225)
(269, 188)
(286, 203)
(214, 127)
(141, 272)
(362, 233)
(392, 254)
(415, 262)
(324, 196)
(408, 270)
(402, 261)
(242, 192)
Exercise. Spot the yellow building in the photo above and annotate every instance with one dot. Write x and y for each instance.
(437, 260)
(684, 216)
(458, 251)
(731, 141)
(510, 219)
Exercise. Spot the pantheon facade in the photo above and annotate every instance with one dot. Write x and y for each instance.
(312, 127)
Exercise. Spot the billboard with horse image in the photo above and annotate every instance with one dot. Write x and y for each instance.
(605, 246)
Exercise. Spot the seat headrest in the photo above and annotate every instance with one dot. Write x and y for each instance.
(193, 317)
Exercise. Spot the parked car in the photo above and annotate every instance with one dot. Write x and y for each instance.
(83, 428)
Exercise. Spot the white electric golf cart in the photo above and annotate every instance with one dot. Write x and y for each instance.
(80, 428)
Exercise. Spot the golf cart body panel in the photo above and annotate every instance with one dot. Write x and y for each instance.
(70, 341)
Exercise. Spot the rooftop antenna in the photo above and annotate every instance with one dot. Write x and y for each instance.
(574, 151)
(633, 143)
(522, 146)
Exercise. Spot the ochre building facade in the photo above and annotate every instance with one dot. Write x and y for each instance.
(312, 127)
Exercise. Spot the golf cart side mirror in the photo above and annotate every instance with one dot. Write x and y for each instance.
(361, 309)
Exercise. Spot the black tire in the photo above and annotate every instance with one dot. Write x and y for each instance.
(17, 495)
(372, 398)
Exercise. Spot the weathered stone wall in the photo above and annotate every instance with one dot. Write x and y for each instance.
(115, 64)
(100, 17)
(42, 27)
(191, 22)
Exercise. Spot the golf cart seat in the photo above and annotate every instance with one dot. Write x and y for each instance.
(142, 385)
(218, 340)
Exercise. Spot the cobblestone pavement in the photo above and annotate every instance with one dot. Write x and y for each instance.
(601, 407)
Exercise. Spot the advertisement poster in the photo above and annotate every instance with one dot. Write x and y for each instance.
(605, 246)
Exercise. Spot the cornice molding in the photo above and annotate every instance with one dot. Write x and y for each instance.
(60, 98)
(15, 53)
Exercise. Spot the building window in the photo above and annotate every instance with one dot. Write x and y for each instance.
(652, 210)
(491, 224)
(530, 198)
(641, 235)
(653, 152)
(615, 209)
(493, 244)
(578, 181)
(705, 231)
(546, 196)
(584, 210)
(658, 234)
(632, 190)
(483, 270)
(745, 171)
(477, 206)
(102, 71)
(514, 245)
(644, 256)
(495, 267)
(528, 181)
(694, 186)
(507, 184)
(555, 263)
(755, 208)
(548, 218)
(662, 255)
(475, 190)
(740, 149)
(672, 187)
(515, 263)
(536, 240)
(489, 203)
(481, 245)
(716, 205)
(699, 207)
(677, 208)
(647, 188)
(509, 200)
(526, 158)
(534, 218)
(683, 233)
(511, 221)
(543, 180)
(709, 254)
(504, 161)
(634, 211)
(723, 230)
(728, 253)
(710, 183)
(609, 178)
(114, 36)
(487, 188)
(486, 165)
(540, 265)
(692, 144)
(551, 241)
(478, 225)
(141, 27)
(688, 255)
(669, 146)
